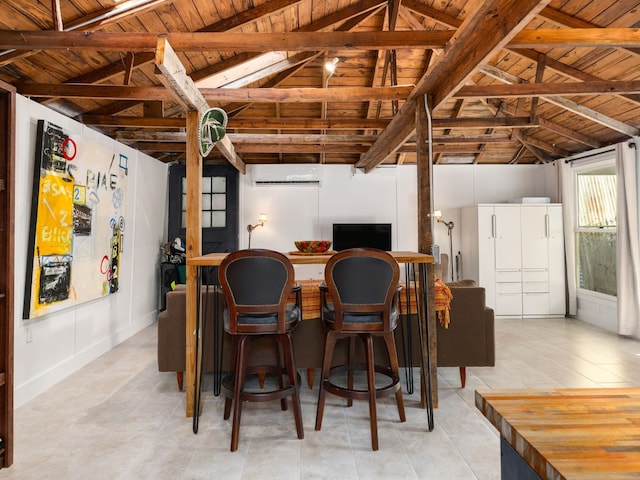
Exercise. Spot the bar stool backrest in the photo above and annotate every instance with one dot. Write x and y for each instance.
(256, 284)
(363, 284)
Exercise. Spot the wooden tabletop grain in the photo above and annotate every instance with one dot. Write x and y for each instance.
(584, 434)
(214, 259)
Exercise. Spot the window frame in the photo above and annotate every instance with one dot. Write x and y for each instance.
(602, 162)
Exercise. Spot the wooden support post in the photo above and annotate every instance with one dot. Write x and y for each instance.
(194, 248)
(425, 234)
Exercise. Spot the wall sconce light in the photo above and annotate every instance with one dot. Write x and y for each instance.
(262, 218)
(438, 216)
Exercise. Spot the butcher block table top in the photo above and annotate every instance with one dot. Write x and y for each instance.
(214, 259)
(571, 433)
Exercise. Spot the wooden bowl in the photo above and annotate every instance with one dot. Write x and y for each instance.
(313, 246)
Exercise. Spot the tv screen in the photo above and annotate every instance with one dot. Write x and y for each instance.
(362, 235)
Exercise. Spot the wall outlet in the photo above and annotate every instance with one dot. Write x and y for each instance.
(29, 335)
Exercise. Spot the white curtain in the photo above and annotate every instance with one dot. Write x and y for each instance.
(628, 248)
(568, 214)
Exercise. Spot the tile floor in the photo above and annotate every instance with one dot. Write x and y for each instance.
(119, 418)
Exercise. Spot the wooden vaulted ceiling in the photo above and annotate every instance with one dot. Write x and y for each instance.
(508, 81)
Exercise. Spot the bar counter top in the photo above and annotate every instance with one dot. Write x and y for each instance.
(214, 259)
(570, 433)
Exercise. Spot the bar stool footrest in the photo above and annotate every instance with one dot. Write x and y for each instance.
(362, 394)
(262, 395)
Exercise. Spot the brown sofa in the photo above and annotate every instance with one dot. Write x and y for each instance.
(172, 335)
(308, 337)
(469, 341)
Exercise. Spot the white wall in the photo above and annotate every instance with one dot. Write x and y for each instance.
(65, 341)
(385, 195)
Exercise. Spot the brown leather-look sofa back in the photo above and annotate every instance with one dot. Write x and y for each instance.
(470, 339)
(172, 339)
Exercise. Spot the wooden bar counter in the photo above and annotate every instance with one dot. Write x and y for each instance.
(428, 375)
(585, 434)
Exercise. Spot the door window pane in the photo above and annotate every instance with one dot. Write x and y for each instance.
(218, 219)
(214, 202)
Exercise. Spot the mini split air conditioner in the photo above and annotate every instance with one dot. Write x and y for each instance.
(289, 174)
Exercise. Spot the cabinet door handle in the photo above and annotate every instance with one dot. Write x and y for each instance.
(546, 225)
(493, 226)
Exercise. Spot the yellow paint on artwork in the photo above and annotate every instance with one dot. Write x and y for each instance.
(54, 231)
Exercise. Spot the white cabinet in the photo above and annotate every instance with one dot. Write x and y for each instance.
(516, 252)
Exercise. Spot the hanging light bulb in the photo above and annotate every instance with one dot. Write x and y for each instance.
(330, 65)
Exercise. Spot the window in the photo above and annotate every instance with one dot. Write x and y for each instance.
(214, 202)
(596, 229)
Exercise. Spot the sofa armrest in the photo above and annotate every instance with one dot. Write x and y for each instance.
(470, 339)
(172, 334)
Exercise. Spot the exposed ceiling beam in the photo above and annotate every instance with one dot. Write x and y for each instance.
(559, 89)
(93, 21)
(305, 139)
(304, 149)
(173, 75)
(489, 26)
(351, 16)
(564, 20)
(305, 95)
(567, 104)
(308, 41)
(266, 123)
(297, 95)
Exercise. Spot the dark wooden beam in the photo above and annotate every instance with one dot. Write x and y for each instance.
(489, 26)
(539, 89)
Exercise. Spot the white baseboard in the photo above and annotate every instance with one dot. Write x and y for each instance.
(37, 385)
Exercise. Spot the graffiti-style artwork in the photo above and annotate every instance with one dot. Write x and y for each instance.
(77, 222)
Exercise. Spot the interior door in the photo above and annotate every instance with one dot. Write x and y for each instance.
(220, 184)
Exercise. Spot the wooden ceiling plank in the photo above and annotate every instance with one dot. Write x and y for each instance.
(489, 26)
(232, 23)
(357, 11)
(569, 133)
(250, 15)
(594, 116)
(98, 19)
(299, 60)
(567, 70)
(567, 104)
(432, 13)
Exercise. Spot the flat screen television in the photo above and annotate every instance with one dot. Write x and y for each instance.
(362, 235)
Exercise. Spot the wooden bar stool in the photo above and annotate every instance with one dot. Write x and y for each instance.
(256, 285)
(363, 284)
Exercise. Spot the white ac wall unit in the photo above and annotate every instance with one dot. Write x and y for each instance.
(286, 174)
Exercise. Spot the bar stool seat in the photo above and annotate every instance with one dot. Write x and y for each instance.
(256, 284)
(363, 284)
